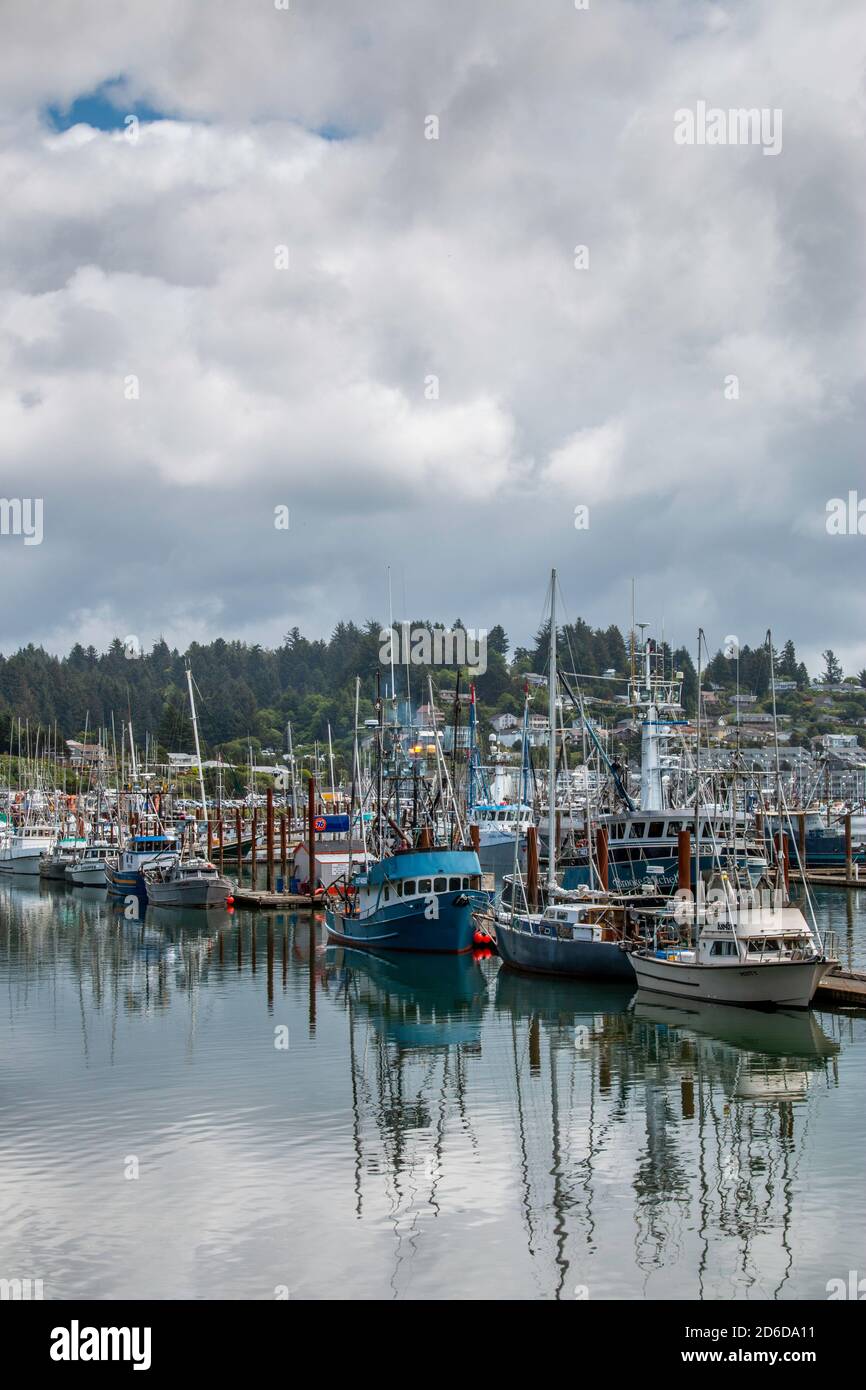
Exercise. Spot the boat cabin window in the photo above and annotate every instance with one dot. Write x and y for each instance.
(409, 888)
(475, 881)
(723, 948)
(637, 830)
(674, 827)
(424, 885)
(453, 884)
(440, 885)
(656, 830)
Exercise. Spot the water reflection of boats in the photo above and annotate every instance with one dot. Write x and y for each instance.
(558, 997)
(414, 1029)
(777, 1053)
(416, 1001)
(782, 1033)
(192, 921)
(712, 1104)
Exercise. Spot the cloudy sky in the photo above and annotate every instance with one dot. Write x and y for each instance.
(431, 382)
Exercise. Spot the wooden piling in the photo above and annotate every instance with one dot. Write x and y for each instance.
(311, 832)
(254, 850)
(269, 838)
(209, 838)
(801, 831)
(284, 849)
(238, 841)
(475, 837)
(849, 857)
(601, 855)
(221, 831)
(684, 860)
(534, 1046)
(531, 870)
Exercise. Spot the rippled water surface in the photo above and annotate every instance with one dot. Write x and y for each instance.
(219, 1106)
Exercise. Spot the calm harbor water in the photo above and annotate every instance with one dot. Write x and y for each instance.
(221, 1107)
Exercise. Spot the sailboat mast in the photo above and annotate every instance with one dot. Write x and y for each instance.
(551, 747)
(197, 745)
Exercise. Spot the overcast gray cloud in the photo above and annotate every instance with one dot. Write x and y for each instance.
(411, 258)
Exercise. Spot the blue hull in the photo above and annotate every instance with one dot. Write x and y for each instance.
(125, 883)
(551, 955)
(394, 928)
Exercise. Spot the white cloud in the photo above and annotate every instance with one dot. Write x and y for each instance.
(411, 258)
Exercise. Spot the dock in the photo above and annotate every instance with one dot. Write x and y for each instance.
(829, 878)
(269, 902)
(845, 988)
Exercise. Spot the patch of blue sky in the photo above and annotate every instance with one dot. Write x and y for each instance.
(105, 108)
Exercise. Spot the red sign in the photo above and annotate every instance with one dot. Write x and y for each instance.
(320, 823)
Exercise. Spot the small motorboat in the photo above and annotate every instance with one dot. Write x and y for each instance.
(193, 882)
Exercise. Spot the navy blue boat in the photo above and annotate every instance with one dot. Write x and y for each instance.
(124, 876)
(417, 900)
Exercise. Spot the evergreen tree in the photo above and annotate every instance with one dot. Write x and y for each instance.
(832, 669)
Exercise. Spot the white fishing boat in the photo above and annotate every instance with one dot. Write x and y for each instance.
(498, 827)
(731, 945)
(90, 868)
(22, 851)
(757, 951)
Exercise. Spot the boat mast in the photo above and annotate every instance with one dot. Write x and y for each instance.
(551, 746)
(292, 771)
(380, 741)
(197, 745)
(331, 762)
(698, 792)
(391, 645)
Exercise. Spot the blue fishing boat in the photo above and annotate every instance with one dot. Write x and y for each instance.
(415, 900)
(123, 876)
(824, 845)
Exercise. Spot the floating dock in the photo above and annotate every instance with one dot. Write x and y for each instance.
(845, 988)
(268, 902)
(829, 878)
